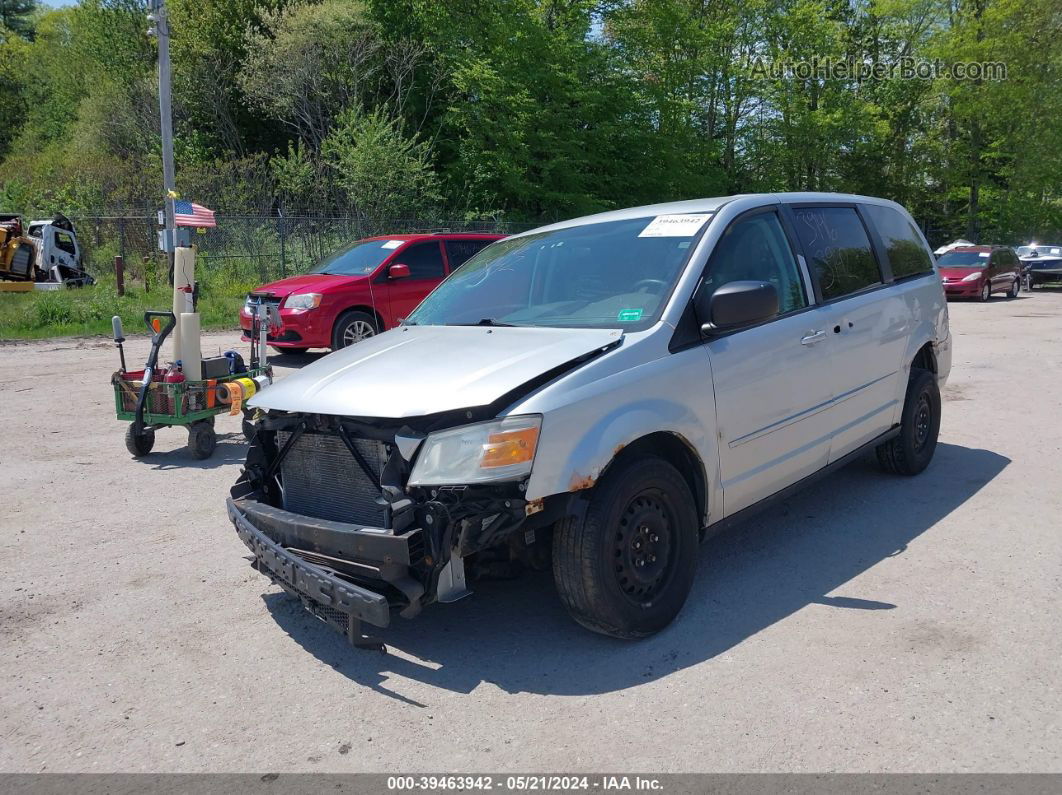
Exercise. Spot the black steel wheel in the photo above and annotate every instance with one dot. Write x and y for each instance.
(201, 439)
(140, 444)
(353, 327)
(642, 548)
(910, 452)
(626, 567)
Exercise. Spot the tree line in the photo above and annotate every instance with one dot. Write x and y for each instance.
(540, 109)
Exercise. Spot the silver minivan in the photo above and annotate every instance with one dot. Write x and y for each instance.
(599, 395)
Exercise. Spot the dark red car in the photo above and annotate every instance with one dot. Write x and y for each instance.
(361, 290)
(979, 271)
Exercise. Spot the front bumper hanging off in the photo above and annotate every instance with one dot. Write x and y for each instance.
(346, 572)
(329, 565)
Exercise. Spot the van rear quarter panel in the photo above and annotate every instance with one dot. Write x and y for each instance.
(593, 413)
(927, 312)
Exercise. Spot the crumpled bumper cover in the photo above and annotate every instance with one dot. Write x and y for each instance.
(307, 580)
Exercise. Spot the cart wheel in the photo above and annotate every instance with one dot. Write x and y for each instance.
(139, 445)
(248, 426)
(201, 439)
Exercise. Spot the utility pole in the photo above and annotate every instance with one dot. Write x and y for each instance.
(160, 28)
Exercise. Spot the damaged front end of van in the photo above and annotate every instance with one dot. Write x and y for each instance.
(381, 476)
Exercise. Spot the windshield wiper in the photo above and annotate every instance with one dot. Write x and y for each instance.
(486, 321)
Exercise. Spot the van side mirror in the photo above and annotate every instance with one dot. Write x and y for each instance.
(736, 304)
(398, 271)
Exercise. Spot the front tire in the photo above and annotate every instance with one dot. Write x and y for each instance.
(626, 567)
(202, 439)
(986, 292)
(353, 327)
(910, 452)
(1014, 289)
(139, 445)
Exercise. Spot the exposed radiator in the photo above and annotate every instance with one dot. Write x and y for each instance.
(322, 479)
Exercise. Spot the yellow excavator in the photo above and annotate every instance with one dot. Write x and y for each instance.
(43, 254)
(18, 255)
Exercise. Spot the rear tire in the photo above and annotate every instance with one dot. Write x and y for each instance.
(139, 445)
(626, 567)
(912, 449)
(201, 439)
(352, 327)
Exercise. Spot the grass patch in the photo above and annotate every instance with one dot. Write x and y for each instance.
(88, 311)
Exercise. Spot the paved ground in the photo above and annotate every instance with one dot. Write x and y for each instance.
(872, 624)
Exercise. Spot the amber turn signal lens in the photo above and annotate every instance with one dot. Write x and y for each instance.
(509, 447)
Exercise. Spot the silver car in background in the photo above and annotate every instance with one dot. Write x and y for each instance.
(598, 396)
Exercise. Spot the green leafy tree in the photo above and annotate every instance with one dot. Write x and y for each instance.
(297, 177)
(383, 174)
(12, 103)
(536, 109)
(310, 63)
(17, 17)
(211, 41)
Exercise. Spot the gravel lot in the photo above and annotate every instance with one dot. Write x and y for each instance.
(873, 623)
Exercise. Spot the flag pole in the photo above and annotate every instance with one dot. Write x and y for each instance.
(161, 29)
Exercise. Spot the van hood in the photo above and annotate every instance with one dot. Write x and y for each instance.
(304, 283)
(412, 371)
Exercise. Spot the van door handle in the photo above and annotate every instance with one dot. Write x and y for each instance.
(811, 339)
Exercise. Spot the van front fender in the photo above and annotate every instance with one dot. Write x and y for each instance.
(572, 455)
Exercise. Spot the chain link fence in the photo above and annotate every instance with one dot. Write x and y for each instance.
(249, 248)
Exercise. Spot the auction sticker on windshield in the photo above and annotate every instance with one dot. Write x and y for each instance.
(392, 244)
(629, 315)
(675, 225)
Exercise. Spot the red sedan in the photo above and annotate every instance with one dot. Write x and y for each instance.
(361, 290)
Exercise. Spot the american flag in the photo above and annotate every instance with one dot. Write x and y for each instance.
(188, 213)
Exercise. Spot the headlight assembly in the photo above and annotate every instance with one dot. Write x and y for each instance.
(303, 301)
(972, 277)
(486, 452)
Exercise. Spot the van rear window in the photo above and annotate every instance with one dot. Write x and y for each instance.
(903, 245)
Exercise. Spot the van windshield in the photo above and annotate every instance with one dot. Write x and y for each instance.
(963, 259)
(615, 274)
(360, 259)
